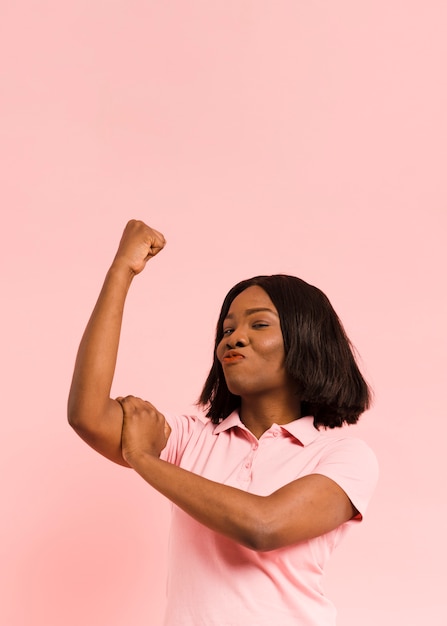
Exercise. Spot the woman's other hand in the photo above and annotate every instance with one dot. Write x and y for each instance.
(138, 244)
(145, 430)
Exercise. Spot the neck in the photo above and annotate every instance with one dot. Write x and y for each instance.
(260, 412)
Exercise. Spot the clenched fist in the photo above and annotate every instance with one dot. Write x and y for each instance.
(138, 244)
(145, 429)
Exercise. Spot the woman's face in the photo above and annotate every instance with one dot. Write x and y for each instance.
(252, 348)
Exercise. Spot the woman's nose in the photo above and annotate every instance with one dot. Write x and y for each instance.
(237, 339)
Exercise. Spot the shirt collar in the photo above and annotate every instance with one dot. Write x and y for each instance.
(302, 429)
(229, 422)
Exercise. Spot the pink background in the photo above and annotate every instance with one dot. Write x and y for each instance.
(259, 137)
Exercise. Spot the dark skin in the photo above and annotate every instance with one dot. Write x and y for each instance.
(132, 432)
(252, 330)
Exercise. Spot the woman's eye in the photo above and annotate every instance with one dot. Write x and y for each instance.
(227, 331)
(260, 325)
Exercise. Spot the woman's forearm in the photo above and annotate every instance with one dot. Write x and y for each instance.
(224, 509)
(97, 354)
(307, 507)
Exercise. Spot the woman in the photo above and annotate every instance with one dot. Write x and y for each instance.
(262, 492)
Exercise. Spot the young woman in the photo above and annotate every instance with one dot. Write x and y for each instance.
(262, 491)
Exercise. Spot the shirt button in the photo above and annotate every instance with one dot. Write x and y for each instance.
(247, 465)
(255, 446)
(275, 433)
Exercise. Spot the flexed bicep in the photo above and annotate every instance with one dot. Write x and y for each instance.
(145, 430)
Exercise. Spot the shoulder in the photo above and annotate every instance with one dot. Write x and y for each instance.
(352, 464)
(341, 446)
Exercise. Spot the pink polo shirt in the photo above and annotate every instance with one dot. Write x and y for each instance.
(214, 581)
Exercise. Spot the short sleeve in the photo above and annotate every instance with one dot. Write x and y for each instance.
(184, 428)
(353, 466)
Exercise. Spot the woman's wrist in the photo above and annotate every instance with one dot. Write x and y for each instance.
(120, 270)
(138, 459)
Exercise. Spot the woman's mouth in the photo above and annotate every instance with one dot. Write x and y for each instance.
(232, 358)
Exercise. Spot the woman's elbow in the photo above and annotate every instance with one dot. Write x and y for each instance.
(77, 422)
(75, 414)
(84, 415)
(81, 419)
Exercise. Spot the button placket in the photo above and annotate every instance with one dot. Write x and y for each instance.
(245, 471)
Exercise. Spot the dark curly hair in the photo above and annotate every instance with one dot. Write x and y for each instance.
(319, 355)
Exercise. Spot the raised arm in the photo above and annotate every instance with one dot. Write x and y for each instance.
(91, 412)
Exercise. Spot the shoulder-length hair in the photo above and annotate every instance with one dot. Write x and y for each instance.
(319, 356)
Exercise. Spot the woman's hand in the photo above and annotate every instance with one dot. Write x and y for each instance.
(145, 430)
(138, 244)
